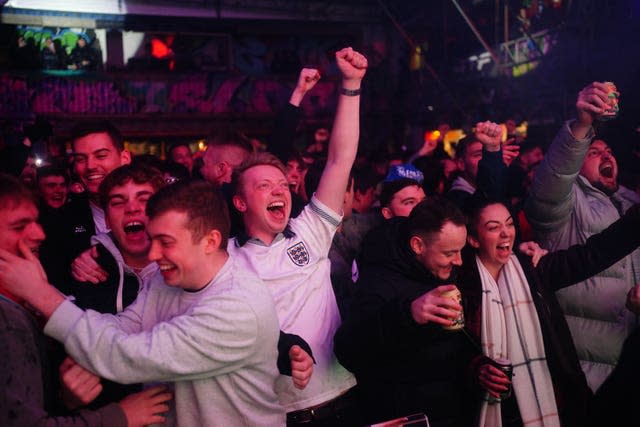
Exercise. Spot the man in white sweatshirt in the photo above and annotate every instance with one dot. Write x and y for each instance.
(209, 327)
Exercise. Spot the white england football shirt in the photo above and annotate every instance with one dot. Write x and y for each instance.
(296, 269)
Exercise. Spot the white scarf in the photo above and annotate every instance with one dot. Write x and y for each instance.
(510, 329)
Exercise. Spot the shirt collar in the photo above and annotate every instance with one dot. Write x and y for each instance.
(243, 237)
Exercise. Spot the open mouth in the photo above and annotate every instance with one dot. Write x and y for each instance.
(167, 270)
(606, 170)
(94, 177)
(135, 230)
(504, 248)
(276, 209)
(134, 227)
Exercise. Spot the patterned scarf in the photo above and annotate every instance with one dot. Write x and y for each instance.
(510, 329)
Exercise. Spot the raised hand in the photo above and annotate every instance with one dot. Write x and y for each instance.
(489, 134)
(353, 66)
(431, 307)
(306, 81)
(510, 150)
(592, 101)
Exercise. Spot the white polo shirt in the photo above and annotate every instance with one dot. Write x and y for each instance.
(296, 269)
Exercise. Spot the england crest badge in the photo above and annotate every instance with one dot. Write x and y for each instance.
(298, 254)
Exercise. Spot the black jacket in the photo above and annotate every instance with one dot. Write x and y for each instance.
(68, 232)
(402, 367)
(555, 271)
(102, 298)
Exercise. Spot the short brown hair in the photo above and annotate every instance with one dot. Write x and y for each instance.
(429, 216)
(139, 173)
(227, 136)
(13, 192)
(52, 170)
(390, 188)
(256, 159)
(203, 203)
(85, 128)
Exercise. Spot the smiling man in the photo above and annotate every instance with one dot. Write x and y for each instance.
(124, 254)
(27, 397)
(121, 253)
(575, 194)
(97, 150)
(53, 186)
(210, 327)
(398, 197)
(393, 338)
(291, 255)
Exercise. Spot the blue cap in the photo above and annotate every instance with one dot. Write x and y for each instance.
(406, 170)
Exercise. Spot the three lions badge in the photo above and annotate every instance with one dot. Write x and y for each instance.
(298, 254)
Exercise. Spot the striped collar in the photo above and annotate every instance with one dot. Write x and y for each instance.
(242, 238)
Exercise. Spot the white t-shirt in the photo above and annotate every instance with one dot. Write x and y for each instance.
(297, 272)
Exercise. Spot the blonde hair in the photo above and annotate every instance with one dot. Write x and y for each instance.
(256, 159)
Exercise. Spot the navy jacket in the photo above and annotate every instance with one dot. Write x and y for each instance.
(402, 367)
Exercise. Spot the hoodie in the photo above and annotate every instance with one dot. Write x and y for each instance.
(112, 296)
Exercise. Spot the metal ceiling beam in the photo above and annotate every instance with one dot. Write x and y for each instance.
(475, 31)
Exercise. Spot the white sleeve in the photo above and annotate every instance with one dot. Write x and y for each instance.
(317, 224)
(216, 337)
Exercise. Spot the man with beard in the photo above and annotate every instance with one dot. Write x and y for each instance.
(575, 194)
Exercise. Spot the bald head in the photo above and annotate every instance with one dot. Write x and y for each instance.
(219, 161)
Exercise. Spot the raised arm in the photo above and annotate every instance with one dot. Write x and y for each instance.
(306, 81)
(551, 200)
(281, 141)
(343, 144)
(577, 263)
(492, 170)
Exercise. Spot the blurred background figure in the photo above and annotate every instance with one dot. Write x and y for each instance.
(53, 186)
(180, 153)
(83, 56)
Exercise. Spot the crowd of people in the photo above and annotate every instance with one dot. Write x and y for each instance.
(52, 55)
(317, 287)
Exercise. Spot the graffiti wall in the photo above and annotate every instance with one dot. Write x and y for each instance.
(195, 93)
